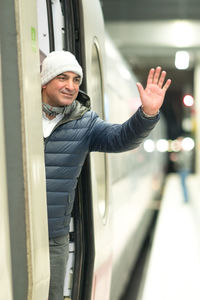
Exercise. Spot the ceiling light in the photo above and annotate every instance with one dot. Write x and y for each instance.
(182, 59)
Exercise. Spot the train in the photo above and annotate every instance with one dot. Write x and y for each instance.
(113, 206)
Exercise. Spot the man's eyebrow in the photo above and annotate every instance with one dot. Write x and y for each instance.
(62, 74)
(65, 75)
(77, 76)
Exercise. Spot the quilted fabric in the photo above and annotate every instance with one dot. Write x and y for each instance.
(65, 152)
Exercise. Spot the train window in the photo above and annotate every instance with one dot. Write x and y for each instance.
(58, 24)
(99, 166)
(43, 31)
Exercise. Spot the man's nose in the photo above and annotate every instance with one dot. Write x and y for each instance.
(69, 84)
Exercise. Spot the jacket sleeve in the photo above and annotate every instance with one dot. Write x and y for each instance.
(107, 137)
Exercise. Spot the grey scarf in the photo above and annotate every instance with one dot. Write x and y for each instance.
(55, 110)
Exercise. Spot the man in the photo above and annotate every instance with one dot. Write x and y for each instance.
(71, 130)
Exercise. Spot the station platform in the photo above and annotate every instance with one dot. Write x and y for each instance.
(173, 269)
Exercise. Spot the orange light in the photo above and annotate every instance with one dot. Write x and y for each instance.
(188, 100)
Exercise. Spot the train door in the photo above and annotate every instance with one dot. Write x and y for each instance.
(24, 231)
(77, 26)
(58, 29)
(94, 63)
(93, 263)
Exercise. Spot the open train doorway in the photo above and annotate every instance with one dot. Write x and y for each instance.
(60, 27)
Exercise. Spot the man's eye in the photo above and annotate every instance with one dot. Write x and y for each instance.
(61, 77)
(77, 80)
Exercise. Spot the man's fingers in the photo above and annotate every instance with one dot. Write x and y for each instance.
(167, 84)
(162, 78)
(156, 75)
(140, 87)
(150, 76)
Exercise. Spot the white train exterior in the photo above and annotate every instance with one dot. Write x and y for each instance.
(112, 210)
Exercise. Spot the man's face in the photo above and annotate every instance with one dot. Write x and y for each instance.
(62, 90)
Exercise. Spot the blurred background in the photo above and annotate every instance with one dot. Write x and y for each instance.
(165, 33)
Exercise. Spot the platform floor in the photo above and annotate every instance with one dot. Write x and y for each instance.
(173, 270)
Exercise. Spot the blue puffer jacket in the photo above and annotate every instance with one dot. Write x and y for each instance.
(67, 147)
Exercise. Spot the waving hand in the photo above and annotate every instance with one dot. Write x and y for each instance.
(152, 96)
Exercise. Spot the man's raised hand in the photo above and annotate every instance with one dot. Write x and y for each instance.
(153, 95)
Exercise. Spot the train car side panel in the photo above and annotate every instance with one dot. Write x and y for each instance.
(94, 36)
(24, 150)
(5, 262)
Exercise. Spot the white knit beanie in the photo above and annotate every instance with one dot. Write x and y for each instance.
(58, 62)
